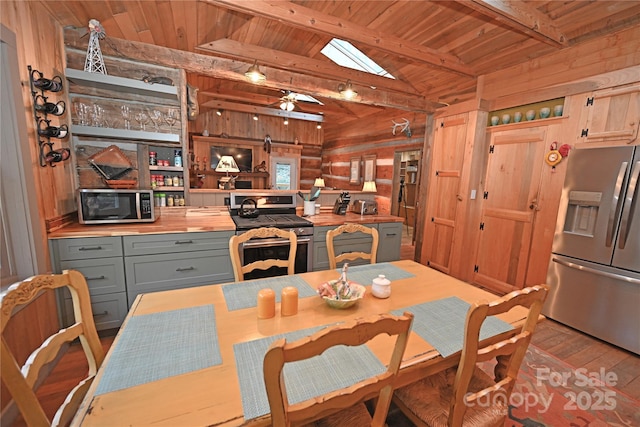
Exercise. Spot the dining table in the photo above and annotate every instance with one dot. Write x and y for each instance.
(193, 356)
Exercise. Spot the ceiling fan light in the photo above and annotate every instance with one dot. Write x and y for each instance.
(319, 126)
(254, 74)
(255, 117)
(219, 112)
(347, 91)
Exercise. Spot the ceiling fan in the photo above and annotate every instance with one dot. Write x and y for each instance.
(291, 101)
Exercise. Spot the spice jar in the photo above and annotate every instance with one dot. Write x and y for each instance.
(153, 158)
(381, 287)
(168, 182)
(170, 201)
(176, 181)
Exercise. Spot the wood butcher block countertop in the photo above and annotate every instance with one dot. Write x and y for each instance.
(172, 220)
(192, 219)
(330, 219)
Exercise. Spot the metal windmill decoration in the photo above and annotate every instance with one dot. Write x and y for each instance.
(94, 62)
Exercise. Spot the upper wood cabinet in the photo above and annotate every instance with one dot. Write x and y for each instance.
(610, 117)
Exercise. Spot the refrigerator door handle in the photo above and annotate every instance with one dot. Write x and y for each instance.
(595, 271)
(615, 204)
(630, 205)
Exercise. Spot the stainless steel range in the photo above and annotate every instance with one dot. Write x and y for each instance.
(255, 210)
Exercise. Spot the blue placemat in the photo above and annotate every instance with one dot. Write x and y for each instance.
(441, 324)
(160, 345)
(241, 295)
(336, 368)
(364, 274)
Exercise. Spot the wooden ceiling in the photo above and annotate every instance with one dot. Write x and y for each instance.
(435, 49)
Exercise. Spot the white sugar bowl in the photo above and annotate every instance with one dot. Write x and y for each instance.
(381, 287)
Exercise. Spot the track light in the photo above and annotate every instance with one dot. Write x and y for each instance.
(219, 112)
(286, 121)
(346, 90)
(255, 117)
(254, 74)
(319, 126)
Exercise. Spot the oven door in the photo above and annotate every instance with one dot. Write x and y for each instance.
(261, 249)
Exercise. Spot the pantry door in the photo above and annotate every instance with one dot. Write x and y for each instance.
(447, 186)
(510, 203)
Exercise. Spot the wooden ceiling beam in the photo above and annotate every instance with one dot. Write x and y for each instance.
(230, 69)
(216, 104)
(521, 17)
(301, 64)
(317, 22)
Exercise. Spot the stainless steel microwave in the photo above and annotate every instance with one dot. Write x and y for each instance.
(107, 206)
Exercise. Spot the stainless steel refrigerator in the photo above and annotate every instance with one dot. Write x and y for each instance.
(594, 271)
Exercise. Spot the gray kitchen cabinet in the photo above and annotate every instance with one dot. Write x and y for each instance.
(118, 268)
(390, 239)
(99, 259)
(391, 236)
(161, 262)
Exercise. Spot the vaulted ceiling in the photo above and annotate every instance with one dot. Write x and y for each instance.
(435, 49)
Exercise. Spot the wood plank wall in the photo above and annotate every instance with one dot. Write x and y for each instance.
(39, 44)
(240, 125)
(370, 136)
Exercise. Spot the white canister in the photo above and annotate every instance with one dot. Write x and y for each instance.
(309, 208)
(381, 287)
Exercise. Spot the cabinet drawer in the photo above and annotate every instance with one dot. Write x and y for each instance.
(88, 247)
(176, 242)
(104, 275)
(150, 273)
(109, 311)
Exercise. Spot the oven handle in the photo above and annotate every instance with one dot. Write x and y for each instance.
(272, 242)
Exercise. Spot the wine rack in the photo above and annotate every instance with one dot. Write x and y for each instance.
(42, 110)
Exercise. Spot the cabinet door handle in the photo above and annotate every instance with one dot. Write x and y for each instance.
(183, 242)
(104, 313)
(391, 234)
(90, 248)
(185, 269)
(96, 278)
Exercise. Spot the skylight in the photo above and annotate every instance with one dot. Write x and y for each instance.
(347, 55)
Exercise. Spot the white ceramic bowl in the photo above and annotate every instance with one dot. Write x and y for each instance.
(357, 292)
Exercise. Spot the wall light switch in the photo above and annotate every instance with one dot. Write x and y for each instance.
(473, 194)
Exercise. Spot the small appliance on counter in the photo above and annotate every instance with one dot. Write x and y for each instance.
(342, 203)
(365, 207)
(109, 206)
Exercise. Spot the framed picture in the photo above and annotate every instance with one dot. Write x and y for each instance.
(369, 168)
(354, 177)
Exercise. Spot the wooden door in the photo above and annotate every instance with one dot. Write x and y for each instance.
(444, 192)
(510, 203)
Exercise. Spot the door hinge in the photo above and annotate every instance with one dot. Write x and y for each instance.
(432, 219)
(442, 124)
(482, 226)
(491, 147)
(585, 132)
(589, 101)
(428, 263)
(475, 268)
(437, 173)
(485, 195)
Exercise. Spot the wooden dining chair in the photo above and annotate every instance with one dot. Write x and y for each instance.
(343, 407)
(22, 381)
(235, 245)
(466, 395)
(334, 259)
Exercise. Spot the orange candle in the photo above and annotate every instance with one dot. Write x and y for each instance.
(266, 303)
(289, 301)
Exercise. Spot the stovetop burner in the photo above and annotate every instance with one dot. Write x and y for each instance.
(277, 211)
